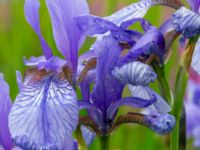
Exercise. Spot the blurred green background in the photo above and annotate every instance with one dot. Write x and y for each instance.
(17, 40)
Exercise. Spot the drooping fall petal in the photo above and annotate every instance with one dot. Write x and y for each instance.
(45, 112)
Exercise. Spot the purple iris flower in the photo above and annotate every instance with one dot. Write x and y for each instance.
(6, 142)
(116, 68)
(192, 105)
(45, 112)
(106, 97)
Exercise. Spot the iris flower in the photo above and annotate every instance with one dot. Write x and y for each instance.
(187, 22)
(117, 67)
(45, 112)
(192, 105)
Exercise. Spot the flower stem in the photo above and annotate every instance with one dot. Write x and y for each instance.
(179, 93)
(104, 142)
(182, 131)
(180, 87)
(165, 88)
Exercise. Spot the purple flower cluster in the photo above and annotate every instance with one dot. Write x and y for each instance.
(45, 113)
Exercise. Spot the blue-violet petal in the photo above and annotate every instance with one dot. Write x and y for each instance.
(45, 112)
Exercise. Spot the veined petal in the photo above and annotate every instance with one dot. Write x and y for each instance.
(31, 9)
(195, 59)
(139, 9)
(135, 73)
(54, 64)
(135, 10)
(67, 36)
(5, 106)
(45, 113)
(88, 135)
(135, 102)
(186, 22)
(144, 92)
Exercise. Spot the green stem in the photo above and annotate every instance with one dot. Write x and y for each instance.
(104, 143)
(165, 88)
(182, 131)
(180, 87)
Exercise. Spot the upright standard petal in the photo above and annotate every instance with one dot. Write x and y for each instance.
(135, 73)
(195, 59)
(67, 36)
(5, 106)
(45, 112)
(31, 9)
(186, 22)
(107, 89)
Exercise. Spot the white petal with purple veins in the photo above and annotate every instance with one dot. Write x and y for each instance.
(44, 113)
(135, 10)
(186, 22)
(145, 92)
(135, 73)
